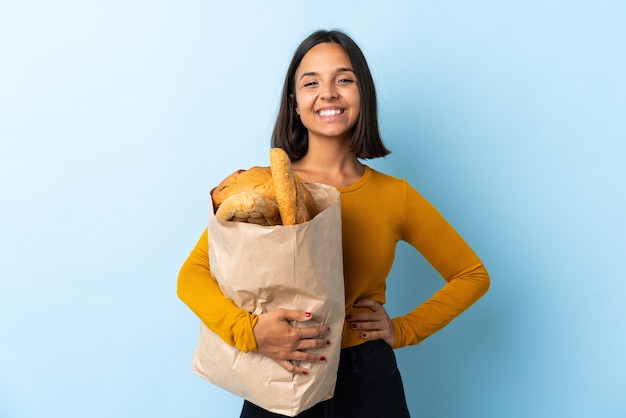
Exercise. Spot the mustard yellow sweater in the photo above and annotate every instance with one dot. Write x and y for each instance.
(377, 212)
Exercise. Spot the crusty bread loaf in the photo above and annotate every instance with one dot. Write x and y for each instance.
(249, 207)
(264, 195)
(289, 191)
(256, 179)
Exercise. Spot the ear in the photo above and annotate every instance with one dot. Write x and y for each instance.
(293, 98)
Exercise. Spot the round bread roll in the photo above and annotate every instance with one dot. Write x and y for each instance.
(256, 179)
(249, 207)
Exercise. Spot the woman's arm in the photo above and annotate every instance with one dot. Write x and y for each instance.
(198, 290)
(466, 277)
(270, 334)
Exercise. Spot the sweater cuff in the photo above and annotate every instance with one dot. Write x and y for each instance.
(403, 338)
(245, 341)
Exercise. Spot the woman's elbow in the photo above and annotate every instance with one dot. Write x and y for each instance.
(484, 280)
(182, 284)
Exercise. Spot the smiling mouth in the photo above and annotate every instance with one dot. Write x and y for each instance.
(330, 112)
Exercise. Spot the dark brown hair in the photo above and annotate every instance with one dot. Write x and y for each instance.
(289, 132)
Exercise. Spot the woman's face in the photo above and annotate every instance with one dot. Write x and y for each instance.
(327, 92)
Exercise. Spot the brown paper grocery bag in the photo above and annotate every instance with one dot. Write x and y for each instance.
(262, 268)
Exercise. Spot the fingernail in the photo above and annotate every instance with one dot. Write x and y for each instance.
(305, 372)
(348, 317)
(353, 326)
(363, 335)
(322, 358)
(307, 314)
(327, 342)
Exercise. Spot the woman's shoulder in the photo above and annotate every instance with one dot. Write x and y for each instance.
(398, 187)
(387, 179)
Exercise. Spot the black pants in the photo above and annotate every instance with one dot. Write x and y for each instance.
(368, 386)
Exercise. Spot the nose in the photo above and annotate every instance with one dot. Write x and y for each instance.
(328, 91)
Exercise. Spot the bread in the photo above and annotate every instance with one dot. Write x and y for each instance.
(309, 201)
(264, 195)
(256, 179)
(289, 191)
(249, 207)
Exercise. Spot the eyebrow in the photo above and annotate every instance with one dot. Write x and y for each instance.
(338, 70)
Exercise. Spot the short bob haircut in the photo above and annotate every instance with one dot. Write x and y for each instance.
(289, 132)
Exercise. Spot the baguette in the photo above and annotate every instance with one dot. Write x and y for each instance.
(290, 193)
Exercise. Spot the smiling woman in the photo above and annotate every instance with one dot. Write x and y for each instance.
(117, 117)
(327, 123)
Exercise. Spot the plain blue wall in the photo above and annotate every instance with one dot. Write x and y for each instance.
(117, 117)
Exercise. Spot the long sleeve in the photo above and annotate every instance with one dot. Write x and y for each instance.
(466, 278)
(402, 214)
(198, 290)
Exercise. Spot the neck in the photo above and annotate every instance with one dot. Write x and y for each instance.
(329, 162)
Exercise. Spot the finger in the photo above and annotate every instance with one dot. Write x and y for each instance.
(389, 338)
(295, 315)
(303, 356)
(287, 365)
(373, 335)
(370, 325)
(304, 333)
(365, 316)
(291, 368)
(313, 343)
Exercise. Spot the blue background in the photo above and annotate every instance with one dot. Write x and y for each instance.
(117, 117)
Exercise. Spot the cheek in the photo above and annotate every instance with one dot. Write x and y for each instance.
(300, 104)
(305, 99)
(357, 99)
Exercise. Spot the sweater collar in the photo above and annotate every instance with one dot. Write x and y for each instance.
(359, 183)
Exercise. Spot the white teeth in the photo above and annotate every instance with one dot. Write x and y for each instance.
(330, 112)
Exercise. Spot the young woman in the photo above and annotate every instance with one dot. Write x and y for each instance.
(327, 124)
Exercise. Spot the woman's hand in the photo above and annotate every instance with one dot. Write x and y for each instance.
(374, 325)
(277, 339)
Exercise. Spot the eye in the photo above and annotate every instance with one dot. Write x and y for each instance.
(310, 84)
(345, 81)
